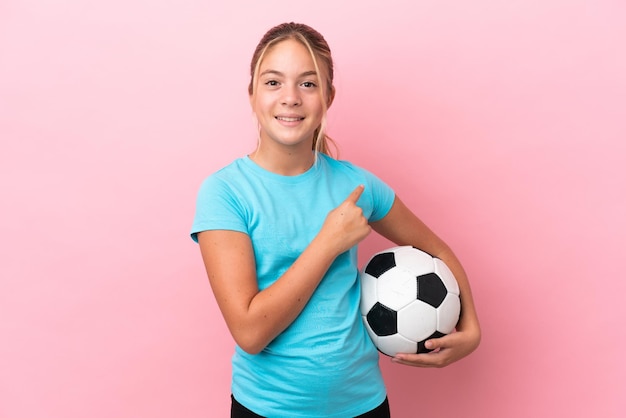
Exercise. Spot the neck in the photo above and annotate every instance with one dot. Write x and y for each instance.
(286, 162)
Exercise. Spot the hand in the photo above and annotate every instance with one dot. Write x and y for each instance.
(447, 350)
(345, 226)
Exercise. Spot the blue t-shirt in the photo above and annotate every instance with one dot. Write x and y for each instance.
(324, 364)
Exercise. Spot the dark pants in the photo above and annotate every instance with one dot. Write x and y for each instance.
(237, 410)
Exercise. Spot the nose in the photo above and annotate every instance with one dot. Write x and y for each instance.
(291, 96)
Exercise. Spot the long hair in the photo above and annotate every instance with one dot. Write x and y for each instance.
(320, 54)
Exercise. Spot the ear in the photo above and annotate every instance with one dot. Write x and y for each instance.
(331, 97)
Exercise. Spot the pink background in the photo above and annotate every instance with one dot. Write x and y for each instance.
(501, 123)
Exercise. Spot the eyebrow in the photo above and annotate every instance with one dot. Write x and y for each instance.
(278, 73)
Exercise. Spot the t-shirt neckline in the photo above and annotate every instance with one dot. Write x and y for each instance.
(312, 172)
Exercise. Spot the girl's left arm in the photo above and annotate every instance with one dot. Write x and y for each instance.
(403, 227)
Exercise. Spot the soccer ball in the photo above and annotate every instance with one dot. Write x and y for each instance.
(407, 297)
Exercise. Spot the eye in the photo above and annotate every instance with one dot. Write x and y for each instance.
(309, 84)
(271, 83)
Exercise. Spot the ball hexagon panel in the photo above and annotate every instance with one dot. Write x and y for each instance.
(448, 313)
(417, 321)
(380, 263)
(431, 290)
(394, 344)
(382, 320)
(396, 288)
(446, 276)
(413, 260)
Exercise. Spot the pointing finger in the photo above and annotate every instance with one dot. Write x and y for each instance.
(356, 194)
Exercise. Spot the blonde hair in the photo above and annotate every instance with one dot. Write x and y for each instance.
(320, 51)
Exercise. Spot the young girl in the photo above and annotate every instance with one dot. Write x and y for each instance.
(278, 230)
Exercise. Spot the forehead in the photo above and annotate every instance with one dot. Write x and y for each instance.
(287, 56)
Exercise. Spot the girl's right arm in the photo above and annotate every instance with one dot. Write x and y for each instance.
(255, 317)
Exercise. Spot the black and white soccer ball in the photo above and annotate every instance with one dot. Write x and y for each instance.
(407, 297)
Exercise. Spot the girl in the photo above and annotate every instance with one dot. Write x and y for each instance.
(289, 217)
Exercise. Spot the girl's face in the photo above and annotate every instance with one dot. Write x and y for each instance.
(287, 100)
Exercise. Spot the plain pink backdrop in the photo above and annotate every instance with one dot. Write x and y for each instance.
(502, 124)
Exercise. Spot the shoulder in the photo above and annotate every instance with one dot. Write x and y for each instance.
(220, 202)
(229, 174)
(223, 184)
(352, 170)
(233, 169)
(343, 166)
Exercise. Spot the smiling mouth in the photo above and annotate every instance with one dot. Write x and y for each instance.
(289, 119)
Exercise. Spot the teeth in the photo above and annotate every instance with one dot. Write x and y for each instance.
(288, 119)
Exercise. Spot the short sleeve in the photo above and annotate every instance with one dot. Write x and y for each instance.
(381, 195)
(217, 207)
